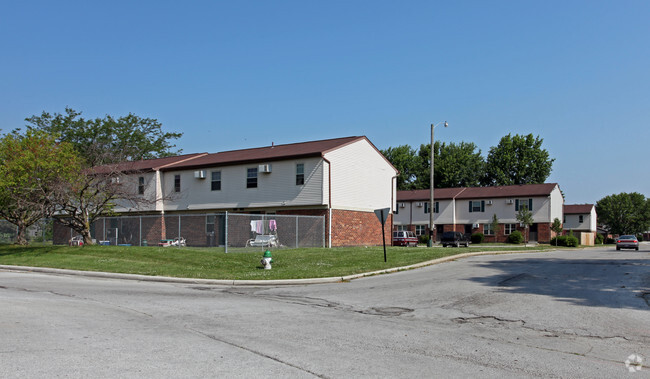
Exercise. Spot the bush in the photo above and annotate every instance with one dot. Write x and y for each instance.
(568, 241)
(572, 241)
(610, 241)
(516, 237)
(423, 239)
(599, 239)
(477, 238)
(639, 237)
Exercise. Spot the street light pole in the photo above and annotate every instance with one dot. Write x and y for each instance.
(432, 205)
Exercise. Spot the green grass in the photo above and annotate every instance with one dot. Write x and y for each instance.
(214, 263)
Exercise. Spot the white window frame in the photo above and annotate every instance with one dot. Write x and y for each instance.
(509, 228)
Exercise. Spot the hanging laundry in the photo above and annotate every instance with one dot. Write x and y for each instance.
(260, 227)
(272, 225)
(253, 226)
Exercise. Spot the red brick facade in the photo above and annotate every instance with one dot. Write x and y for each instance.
(354, 228)
(544, 233)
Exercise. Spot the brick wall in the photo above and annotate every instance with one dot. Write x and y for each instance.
(354, 228)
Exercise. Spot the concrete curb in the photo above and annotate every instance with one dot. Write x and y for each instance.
(233, 282)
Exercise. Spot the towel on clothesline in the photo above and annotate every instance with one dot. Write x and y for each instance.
(272, 225)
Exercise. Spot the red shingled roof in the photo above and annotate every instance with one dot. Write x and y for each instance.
(267, 154)
(578, 208)
(146, 164)
(544, 189)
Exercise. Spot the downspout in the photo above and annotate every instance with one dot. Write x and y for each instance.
(329, 200)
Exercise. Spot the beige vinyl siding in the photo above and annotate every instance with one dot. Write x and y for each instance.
(275, 189)
(361, 178)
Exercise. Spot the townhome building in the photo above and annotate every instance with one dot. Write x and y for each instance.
(342, 180)
(471, 210)
(582, 220)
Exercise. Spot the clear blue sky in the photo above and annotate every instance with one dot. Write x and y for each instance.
(239, 74)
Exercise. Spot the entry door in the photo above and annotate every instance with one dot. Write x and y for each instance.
(533, 233)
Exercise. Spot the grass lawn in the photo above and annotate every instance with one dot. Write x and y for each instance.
(214, 263)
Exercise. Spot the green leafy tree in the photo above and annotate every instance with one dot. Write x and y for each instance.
(557, 228)
(494, 224)
(624, 213)
(33, 167)
(108, 140)
(518, 159)
(404, 159)
(455, 165)
(107, 145)
(525, 218)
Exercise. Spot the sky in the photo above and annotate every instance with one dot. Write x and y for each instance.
(240, 74)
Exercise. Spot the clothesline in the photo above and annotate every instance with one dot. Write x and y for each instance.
(258, 226)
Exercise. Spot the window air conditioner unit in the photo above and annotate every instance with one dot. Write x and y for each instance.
(115, 179)
(475, 226)
(199, 174)
(264, 168)
(510, 201)
(402, 205)
(419, 204)
(489, 202)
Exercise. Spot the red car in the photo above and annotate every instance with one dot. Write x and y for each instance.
(404, 238)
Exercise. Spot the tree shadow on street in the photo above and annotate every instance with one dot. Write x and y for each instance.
(603, 282)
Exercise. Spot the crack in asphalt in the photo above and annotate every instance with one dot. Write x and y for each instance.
(256, 352)
(388, 311)
(485, 320)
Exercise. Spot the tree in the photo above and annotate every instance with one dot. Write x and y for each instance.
(105, 144)
(495, 226)
(624, 213)
(557, 228)
(525, 218)
(404, 159)
(456, 165)
(518, 159)
(33, 166)
(108, 140)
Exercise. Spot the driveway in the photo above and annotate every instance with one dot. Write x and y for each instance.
(580, 313)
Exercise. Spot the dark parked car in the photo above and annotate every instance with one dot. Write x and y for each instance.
(454, 239)
(627, 242)
(404, 238)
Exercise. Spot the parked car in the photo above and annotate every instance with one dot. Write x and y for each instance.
(404, 238)
(454, 239)
(627, 242)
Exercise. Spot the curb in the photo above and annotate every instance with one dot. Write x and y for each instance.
(276, 282)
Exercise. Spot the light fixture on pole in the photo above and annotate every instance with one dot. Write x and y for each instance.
(432, 205)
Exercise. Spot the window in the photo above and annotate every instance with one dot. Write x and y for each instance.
(251, 178)
(487, 230)
(141, 185)
(209, 224)
(216, 181)
(509, 228)
(300, 174)
(400, 228)
(476, 206)
(436, 208)
(581, 219)
(420, 230)
(177, 183)
(521, 203)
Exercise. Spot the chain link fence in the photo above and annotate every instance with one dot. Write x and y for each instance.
(40, 232)
(232, 231)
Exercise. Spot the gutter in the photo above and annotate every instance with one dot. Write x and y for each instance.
(329, 199)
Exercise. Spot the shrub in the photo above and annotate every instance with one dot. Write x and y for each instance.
(599, 239)
(639, 237)
(610, 241)
(572, 241)
(516, 237)
(423, 239)
(477, 238)
(568, 241)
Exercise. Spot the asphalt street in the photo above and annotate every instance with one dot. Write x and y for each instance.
(580, 313)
